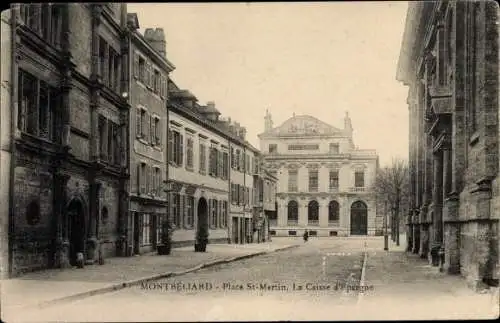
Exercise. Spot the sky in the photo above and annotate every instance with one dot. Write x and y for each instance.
(321, 59)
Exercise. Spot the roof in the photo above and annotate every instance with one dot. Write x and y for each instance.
(303, 125)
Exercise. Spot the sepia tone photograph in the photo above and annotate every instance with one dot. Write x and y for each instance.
(249, 161)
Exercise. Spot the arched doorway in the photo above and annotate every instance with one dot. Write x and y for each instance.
(76, 229)
(359, 218)
(293, 213)
(202, 214)
(313, 213)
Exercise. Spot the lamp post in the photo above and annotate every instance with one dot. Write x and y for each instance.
(386, 237)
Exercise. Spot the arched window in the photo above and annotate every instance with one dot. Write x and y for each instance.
(33, 213)
(312, 212)
(358, 205)
(333, 211)
(293, 212)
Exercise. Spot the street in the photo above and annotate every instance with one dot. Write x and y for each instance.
(319, 280)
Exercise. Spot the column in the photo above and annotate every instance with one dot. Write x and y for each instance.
(93, 236)
(302, 212)
(437, 194)
(62, 243)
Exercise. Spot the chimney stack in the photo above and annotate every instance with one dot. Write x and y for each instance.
(243, 133)
(156, 38)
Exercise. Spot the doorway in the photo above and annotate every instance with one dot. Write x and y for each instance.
(202, 215)
(359, 218)
(76, 230)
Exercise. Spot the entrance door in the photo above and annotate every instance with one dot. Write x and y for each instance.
(359, 218)
(76, 230)
(235, 229)
(137, 232)
(202, 214)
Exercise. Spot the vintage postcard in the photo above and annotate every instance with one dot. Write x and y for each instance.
(249, 161)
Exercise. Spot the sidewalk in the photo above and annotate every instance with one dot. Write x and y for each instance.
(407, 287)
(44, 287)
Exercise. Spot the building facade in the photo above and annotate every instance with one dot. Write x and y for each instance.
(5, 137)
(449, 60)
(324, 182)
(147, 137)
(63, 175)
(198, 168)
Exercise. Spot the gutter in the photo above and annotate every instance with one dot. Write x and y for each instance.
(13, 110)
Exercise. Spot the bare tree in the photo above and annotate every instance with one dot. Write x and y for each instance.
(392, 185)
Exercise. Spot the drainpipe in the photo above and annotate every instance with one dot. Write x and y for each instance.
(13, 120)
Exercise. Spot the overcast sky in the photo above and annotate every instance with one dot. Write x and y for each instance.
(320, 59)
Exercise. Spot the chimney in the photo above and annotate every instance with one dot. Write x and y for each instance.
(156, 38)
(243, 133)
(268, 122)
(347, 124)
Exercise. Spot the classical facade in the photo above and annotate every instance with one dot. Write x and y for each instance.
(324, 181)
(449, 60)
(148, 137)
(67, 78)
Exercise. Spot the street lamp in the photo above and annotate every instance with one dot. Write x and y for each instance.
(386, 237)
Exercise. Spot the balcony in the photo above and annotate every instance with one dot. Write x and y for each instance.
(292, 223)
(333, 223)
(313, 223)
(357, 189)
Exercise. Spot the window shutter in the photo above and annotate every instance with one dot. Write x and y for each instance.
(160, 132)
(181, 149)
(152, 130)
(170, 147)
(138, 178)
(136, 65)
(146, 131)
(162, 86)
(150, 75)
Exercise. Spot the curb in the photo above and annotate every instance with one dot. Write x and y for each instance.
(134, 282)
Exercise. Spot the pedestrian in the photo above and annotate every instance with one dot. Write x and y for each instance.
(306, 236)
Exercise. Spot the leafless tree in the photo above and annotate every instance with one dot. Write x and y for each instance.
(392, 185)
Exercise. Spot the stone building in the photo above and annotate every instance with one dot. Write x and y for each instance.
(324, 181)
(5, 137)
(64, 83)
(264, 201)
(449, 61)
(198, 168)
(147, 137)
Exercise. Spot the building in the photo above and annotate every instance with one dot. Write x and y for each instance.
(5, 137)
(198, 168)
(270, 187)
(147, 137)
(324, 181)
(449, 61)
(67, 103)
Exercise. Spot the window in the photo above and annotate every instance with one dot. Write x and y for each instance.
(38, 102)
(189, 211)
(223, 223)
(333, 212)
(233, 159)
(225, 165)
(292, 180)
(334, 180)
(234, 193)
(33, 213)
(157, 181)
(157, 131)
(334, 148)
(43, 19)
(292, 233)
(203, 159)
(112, 65)
(313, 180)
(146, 229)
(141, 178)
(213, 213)
(176, 148)
(359, 179)
(142, 69)
(156, 81)
(213, 161)
(175, 201)
(241, 195)
(142, 122)
(109, 141)
(273, 148)
(238, 160)
(189, 153)
(220, 164)
(104, 215)
(293, 212)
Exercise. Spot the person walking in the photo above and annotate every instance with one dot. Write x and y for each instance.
(306, 235)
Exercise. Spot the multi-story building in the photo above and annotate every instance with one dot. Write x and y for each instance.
(242, 185)
(270, 187)
(148, 136)
(324, 181)
(6, 92)
(449, 60)
(198, 168)
(70, 122)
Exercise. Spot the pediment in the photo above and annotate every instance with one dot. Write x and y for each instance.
(304, 125)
